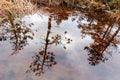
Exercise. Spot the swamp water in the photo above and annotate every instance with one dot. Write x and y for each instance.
(55, 47)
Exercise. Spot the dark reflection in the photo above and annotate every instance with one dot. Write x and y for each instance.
(61, 15)
(45, 58)
(104, 36)
(97, 49)
(16, 32)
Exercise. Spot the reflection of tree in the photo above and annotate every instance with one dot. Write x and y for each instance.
(17, 32)
(100, 45)
(46, 59)
(103, 36)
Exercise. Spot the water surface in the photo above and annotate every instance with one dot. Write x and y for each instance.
(55, 47)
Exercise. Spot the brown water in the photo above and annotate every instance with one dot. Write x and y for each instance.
(55, 47)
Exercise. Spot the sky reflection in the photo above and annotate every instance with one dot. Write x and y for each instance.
(72, 63)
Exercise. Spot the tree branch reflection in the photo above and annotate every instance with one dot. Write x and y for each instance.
(103, 38)
(45, 59)
(102, 30)
(15, 31)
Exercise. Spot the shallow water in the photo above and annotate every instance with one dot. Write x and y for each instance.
(64, 42)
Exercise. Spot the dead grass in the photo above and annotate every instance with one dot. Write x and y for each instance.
(16, 8)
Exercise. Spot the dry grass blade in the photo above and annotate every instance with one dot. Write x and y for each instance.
(25, 6)
(16, 8)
